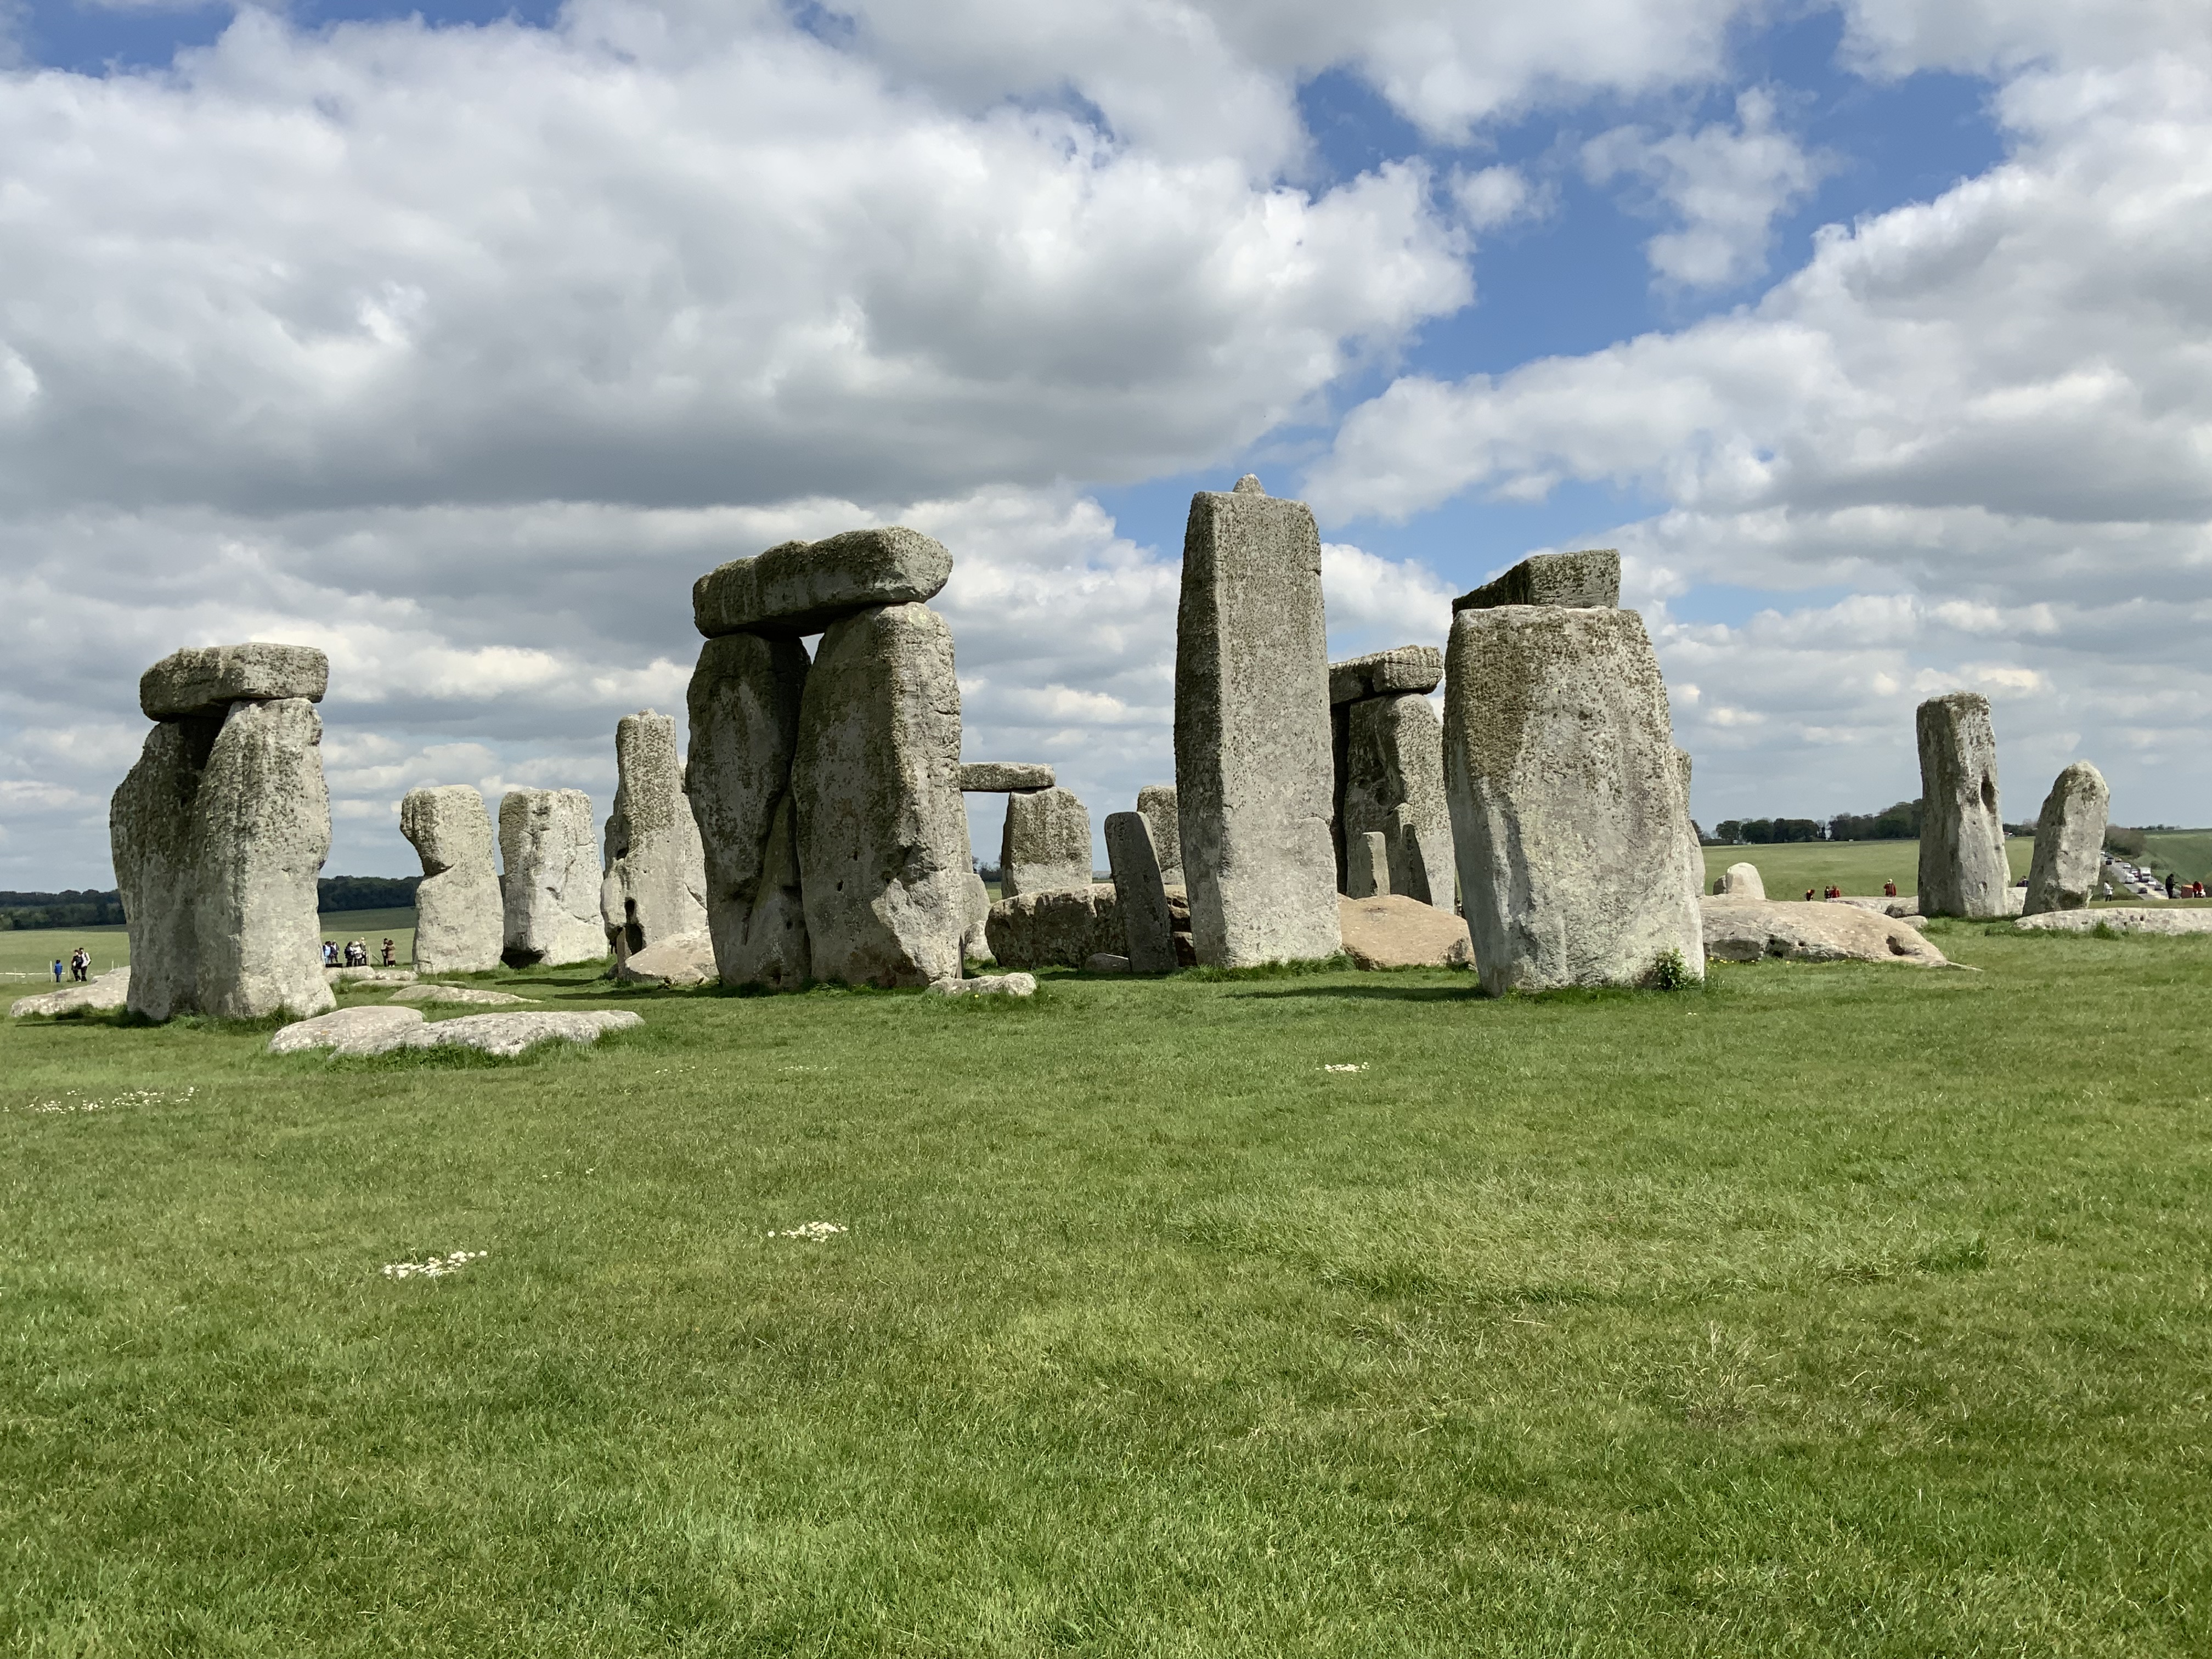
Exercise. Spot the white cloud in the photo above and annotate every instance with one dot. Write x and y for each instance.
(1495, 196)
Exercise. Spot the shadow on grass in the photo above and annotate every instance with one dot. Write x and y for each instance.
(1384, 992)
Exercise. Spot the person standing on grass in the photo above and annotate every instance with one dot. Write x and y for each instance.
(1889, 889)
(58, 970)
(80, 965)
(388, 961)
(2169, 885)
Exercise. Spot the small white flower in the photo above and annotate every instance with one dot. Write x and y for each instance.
(814, 1232)
(1361, 1067)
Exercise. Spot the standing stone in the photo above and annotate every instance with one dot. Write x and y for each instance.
(975, 939)
(1147, 927)
(1252, 772)
(1741, 881)
(1369, 872)
(1046, 845)
(153, 838)
(2069, 841)
(459, 919)
(1156, 801)
(552, 881)
(883, 833)
(655, 885)
(1963, 870)
(1393, 779)
(1589, 579)
(1567, 810)
(744, 705)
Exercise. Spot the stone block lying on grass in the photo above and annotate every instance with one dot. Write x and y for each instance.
(384, 1028)
(475, 996)
(2121, 919)
(687, 959)
(1392, 931)
(1906, 905)
(369, 976)
(988, 985)
(1063, 929)
(111, 990)
(1746, 930)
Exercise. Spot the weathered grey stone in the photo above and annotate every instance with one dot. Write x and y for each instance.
(2123, 918)
(1252, 771)
(1963, 871)
(975, 935)
(1590, 577)
(684, 959)
(1693, 852)
(799, 588)
(509, 1035)
(368, 976)
(1567, 810)
(371, 1028)
(1906, 905)
(552, 883)
(1045, 843)
(988, 985)
(202, 680)
(1746, 930)
(1140, 894)
(1003, 777)
(2069, 841)
(1402, 669)
(261, 828)
(1391, 781)
(1392, 931)
(110, 991)
(1064, 927)
(655, 885)
(472, 995)
(1742, 881)
(1367, 873)
(460, 922)
(153, 841)
(1156, 801)
(883, 833)
(1106, 963)
(744, 705)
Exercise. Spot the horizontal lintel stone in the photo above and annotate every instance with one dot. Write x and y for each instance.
(797, 588)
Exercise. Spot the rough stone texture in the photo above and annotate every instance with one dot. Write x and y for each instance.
(883, 832)
(744, 707)
(988, 985)
(1963, 871)
(1106, 963)
(655, 885)
(1392, 930)
(1742, 881)
(974, 936)
(1745, 930)
(153, 840)
(202, 680)
(1156, 801)
(1906, 905)
(1046, 844)
(799, 588)
(1589, 578)
(460, 921)
(552, 883)
(1253, 760)
(1567, 810)
(2070, 842)
(382, 1029)
(1003, 777)
(686, 959)
(1405, 668)
(1062, 929)
(369, 975)
(1367, 865)
(2123, 918)
(473, 995)
(370, 1030)
(1390, 779)
(110, 991)
(1140, 894)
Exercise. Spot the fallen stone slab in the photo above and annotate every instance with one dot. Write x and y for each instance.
(111, 990)
(687, 959)
(2123, 918)
(508, 1035)
(1405, 668)
(988, 985)
(1749, 930)
(1061, 928)
(1003, 777)
(1106, 963)
(1589, 578)
(202, 680)
(475, 995)
(797, 588)
(2070, 842)
(1392, 930)
(369, 976)
(373, 1030)
(1963, 869)
(460, 921)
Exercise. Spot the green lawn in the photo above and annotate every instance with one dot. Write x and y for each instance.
(1859, 868)
(26, 957)
(1831, 1311)
(2187, 853)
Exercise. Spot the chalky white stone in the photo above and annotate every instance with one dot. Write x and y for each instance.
(744, 704)
(799, 588)
(1046, 844)
(459, 918)
(682, 960)
(1392, 931)
(383, 1028)
(1746, 930)
(1742, 881)
(2122, 919)
(108, 992)
(467, 995)
(1140, 894)
(655, 885)
(988, 985)
(372, 1029)
(552, 881)
(1963, 869)
(2069, 841)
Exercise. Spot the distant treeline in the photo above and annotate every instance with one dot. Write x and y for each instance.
(1898, 823)
(90, 908)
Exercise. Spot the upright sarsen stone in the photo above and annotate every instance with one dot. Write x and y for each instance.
(1046, 844)
(459, 918)
(1394, 785)
(744, 705)
(1156, 801)
(1140, 895)
(1568, 815)
(552, 881)
(1253, 765)
(1963, 870)
(883, 833)
(2069, 841)
(153, 838)
(655, 885)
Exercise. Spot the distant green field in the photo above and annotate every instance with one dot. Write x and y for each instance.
(2187, 853)
(1859, 868)
(26, 955)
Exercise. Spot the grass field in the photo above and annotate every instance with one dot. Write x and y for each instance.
(1829, 1311)
(1859, 868)
(2187, 853)
(26, 955)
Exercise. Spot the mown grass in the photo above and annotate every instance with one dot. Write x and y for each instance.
(1859, 868)
(1845, 1310)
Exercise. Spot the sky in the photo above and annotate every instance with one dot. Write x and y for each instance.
(1876, 336)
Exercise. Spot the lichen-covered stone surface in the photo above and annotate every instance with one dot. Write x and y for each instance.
(110, 991)
(1254, 768)
(799, 588)
(383, 1028)
(202, 680)
(1003, 777)
(686, 959)
(1568, 816)
(744, 707)
(371, 1030)
(1367, 865)
(154, 839)
(1963, 871)
(477, 996)
(1062, 929)
(460, 921)
(1156, 801)
(1045, 843)
(883, 831)
(1405, 668)
(552, 882)
(1392, 782)
(976, 933)
(655, 885)
(1389, 930)
(1588, 578)
(2123, 918)
(2070, 842)
(988, 985)
(1140, 894)
(1747, 929)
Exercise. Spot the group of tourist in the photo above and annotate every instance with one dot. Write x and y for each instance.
(79, 966)
(355, 955)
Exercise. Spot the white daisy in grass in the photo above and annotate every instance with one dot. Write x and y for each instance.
(437, 1267)
(814, 1232)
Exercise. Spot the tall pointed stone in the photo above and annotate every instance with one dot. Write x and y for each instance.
(154, 839)
(1046, 844)
(744, 705)
(1963, 869)
(2069, 841)
(1141, 896)
(459, 918)
(1252, 771)
(551, 886)
(655, 885)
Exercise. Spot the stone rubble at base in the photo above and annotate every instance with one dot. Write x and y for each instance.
(2122, 919)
